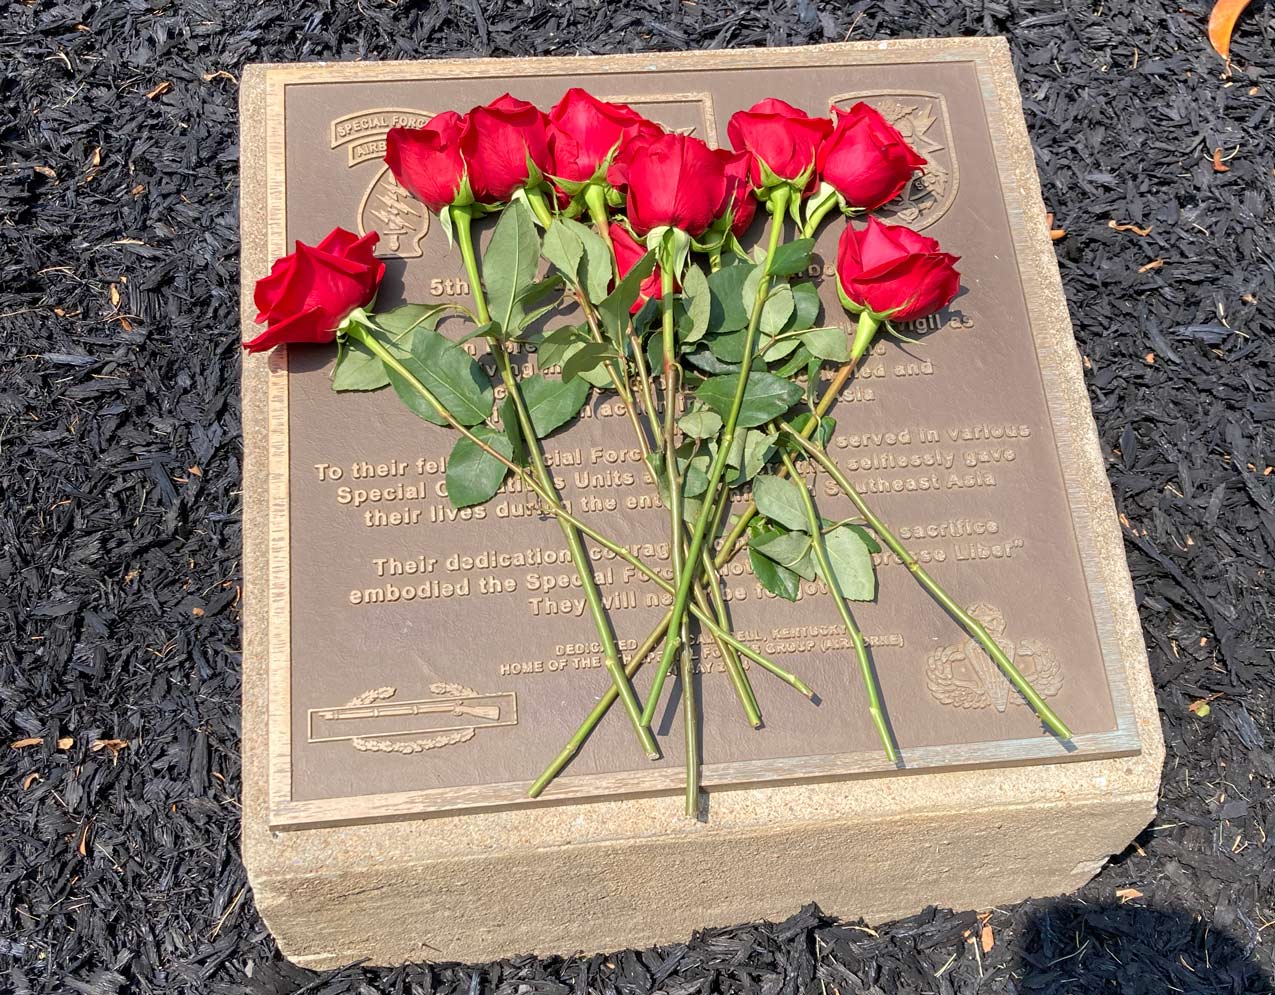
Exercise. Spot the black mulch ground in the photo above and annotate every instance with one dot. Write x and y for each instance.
(119, 482)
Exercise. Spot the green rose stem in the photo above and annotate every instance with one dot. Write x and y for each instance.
(598, 213)
(690, 728)
(865, 331)
(970, 624)
(779, 207)
(677, 526)
(738, 676)
(729, 546)
(595, 199)
(852, 629)
(821, 212)
(713, 601)
(462, 218)
(361, 327)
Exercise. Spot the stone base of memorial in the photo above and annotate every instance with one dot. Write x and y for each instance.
(409, 670)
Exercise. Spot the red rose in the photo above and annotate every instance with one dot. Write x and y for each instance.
(894, 272)
(426, 161)
(584, 132)
(866, 159)
(739, 205)
(786, 140)
(309, 293)
(506, 146)
(675, 180)
(628, 251)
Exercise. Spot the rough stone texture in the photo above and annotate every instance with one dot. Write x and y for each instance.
(633, 872)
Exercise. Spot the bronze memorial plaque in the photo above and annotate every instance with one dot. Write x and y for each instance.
(424, 659)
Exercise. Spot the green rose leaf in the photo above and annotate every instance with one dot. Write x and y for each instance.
(828, 343)
(851, 564)
(614, 309)
(474, 476)
(563, 248)
(806, 307)
(586, 360)
(866, 537)
(509, 266)
(699, 303)
(553, 403)
(704, 360)
(554, 347)
(788, 549)
(513, 431)
(728, 312)
(821, 435)
(450, 374)
(800, 358)
(598, 268)
(728, 347)
(579, 254)
(779, 499)
(778, 309)
(765, 397)
(701, 423)
(776, 349)
(776, 579)
(749, 454)
(358, 369)
(694, 471)
(791, 257)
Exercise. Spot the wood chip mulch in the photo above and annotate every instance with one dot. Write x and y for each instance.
(120, 458)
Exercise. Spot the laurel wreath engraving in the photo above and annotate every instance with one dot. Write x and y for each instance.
(965, 677)
(412, 746)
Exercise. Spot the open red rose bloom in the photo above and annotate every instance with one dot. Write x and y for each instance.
(865, 159)
(310, 293)
(585, 133)
(895, 272)
(615, 251)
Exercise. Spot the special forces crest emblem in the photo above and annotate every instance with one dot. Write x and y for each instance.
(965, 676)
(385, 207)
(923, 121)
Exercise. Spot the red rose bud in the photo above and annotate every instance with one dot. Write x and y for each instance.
(865, 158)
(309, 293)
(628, 251)
(427, 162)
(506, 146)
(739, 204)
(585, 132)
(784, 140)
(893, 272)
(675, 180)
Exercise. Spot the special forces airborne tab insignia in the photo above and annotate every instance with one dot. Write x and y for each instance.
(385, 207)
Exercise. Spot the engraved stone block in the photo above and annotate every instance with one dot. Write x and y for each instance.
(410, 668)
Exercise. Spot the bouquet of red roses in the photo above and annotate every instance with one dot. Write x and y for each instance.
(630, 236)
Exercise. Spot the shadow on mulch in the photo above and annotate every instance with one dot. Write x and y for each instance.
(1069, 947)
(1051, 947)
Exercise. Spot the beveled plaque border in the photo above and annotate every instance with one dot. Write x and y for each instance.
(263, 188)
